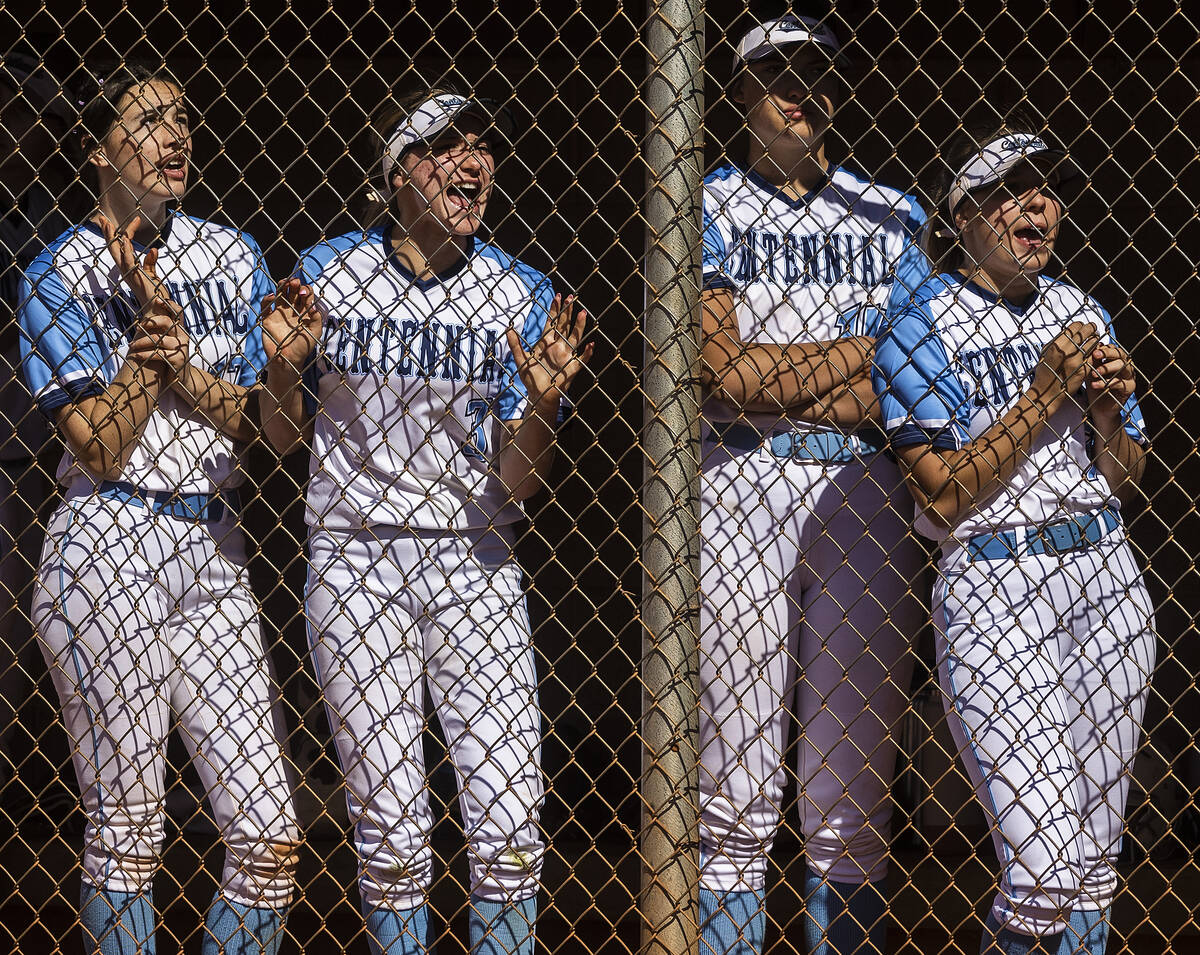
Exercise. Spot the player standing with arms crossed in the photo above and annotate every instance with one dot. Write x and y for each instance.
(433, 369)
(143, 605)
(807, 556)
(1013, 411)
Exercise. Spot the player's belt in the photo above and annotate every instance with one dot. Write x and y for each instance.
(1075, 533)
(188, 507)
(817, 447)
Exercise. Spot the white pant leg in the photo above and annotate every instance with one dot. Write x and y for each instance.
(483, 682)
(225, 695)
(749, 615)
(25, 490)
(1106, 677)
(860, 612)
(98, 611)
(1001, 628)
(370, 663)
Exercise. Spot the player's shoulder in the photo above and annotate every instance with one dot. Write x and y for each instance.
(917, 304)
(320, 258)
(1062, 291)
(75, 245)
(213, 235)
(877, 199)
(489, 258)
(725, 182)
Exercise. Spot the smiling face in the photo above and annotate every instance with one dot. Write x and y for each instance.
(146, 154)
(447, 181)
(1009, 231)
(789, 101)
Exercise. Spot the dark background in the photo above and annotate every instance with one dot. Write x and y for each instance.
(285, 90)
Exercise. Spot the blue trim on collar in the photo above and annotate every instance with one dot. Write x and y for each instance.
(992, 297)
(409, 276)
(158, 243)
(778, 193)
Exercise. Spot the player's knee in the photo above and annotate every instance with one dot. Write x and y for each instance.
(261, 872)
(854, 856)
(123, 850)
(509, 871)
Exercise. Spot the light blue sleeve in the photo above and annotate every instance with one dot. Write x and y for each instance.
(912, 268)
(63, 356)
(252, 361)
(922, 400)
(512, 400)
(1131, 414)
(714, 255)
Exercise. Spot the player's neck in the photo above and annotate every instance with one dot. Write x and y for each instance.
(1017, 287)
(797, 172)
(121, 209)
(427, 252)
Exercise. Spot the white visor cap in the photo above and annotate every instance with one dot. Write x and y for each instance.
(769, 38)
(432, 117)
(1001, 156)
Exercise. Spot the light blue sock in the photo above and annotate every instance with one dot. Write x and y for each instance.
(841, 918)
(396, 932)
(1087, 933)
(500, 929)
(235, 929)
(1000, 941)
(116, 923)
(732, 923)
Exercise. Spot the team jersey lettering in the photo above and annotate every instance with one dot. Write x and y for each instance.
(207, 307)
(996, 375)
(360, 345)
(831, 258)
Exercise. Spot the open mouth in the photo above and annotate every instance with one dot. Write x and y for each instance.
(1030, 237)
(174, 168)
(464, 195)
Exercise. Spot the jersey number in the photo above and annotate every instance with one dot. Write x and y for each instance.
(476, 444)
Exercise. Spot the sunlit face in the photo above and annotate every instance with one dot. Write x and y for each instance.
(448, 180)
(1010, 231)
(789, 102)
(148, 150)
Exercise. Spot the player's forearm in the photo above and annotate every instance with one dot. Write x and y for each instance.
(770, 377)
(103, 430)
(220, 404)
(284, 422)
(528, 453)
(1120, 458)
(949, 484)
(844, 408)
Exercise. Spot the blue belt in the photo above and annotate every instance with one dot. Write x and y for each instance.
(813, 446)
(188, 507)
(1075, 533)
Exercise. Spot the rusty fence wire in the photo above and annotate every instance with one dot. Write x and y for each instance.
(576, 721)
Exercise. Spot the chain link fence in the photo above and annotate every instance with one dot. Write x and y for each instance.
(617, 110)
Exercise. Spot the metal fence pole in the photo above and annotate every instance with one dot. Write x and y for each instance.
(670, 551)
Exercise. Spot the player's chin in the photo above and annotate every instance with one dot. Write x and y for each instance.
(465, 222)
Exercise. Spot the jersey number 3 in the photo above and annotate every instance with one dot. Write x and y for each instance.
(476, 444)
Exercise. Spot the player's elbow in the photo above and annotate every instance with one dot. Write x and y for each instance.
(729, 383)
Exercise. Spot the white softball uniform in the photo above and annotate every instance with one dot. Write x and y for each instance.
(143, 606)
(1045, 629)
(412, 587)
(807, 559)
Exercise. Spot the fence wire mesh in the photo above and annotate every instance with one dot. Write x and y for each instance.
(412, 690)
